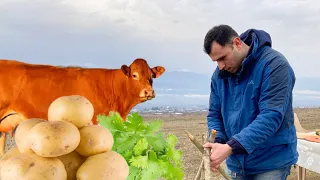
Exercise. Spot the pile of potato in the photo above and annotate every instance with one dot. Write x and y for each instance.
(65, 147)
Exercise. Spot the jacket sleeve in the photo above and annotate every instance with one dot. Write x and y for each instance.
(214, 117)
(276, 88)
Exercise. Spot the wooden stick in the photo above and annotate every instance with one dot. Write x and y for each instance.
(204, 140)
(201, 149)
(222, 172)
(198, 175)
(213, 134)
(194, 141)
(208, 173)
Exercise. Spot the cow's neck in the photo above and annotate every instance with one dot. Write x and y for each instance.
(122, 101)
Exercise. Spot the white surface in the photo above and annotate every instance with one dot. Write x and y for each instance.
(309, 155)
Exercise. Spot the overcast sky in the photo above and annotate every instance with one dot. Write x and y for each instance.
(170, 33)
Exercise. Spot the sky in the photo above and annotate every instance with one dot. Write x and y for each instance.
(105, 33)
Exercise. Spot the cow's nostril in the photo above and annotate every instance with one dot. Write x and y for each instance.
(148, 93)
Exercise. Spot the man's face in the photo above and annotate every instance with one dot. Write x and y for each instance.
(228, 57)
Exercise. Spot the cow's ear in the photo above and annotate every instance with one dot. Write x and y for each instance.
(126, 70)
(157, 71)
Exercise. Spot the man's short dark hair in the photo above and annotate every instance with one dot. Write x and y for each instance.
(221, 34)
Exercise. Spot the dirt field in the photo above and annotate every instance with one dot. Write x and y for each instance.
(196, 125)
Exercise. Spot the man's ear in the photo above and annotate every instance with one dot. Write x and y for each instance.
(237, 42)
(126, 70)
(157, 71)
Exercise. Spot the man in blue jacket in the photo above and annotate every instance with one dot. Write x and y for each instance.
(250, 105)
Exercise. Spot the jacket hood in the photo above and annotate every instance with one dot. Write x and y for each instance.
(256, 39)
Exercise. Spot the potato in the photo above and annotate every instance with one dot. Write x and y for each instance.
(74, 108)
(94, 139)
(72, 162)
(32, 166)
(13, 151)
(109, 165)
(23, 143)
(54, 138)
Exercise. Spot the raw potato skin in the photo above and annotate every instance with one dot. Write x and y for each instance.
(31, 166)
(22, 131)
(54, 138)
(94, 139)
(13, 151)
(104, 166)
(72, 162)
(75, 109)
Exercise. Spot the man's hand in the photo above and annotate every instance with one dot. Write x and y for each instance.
(219, 152)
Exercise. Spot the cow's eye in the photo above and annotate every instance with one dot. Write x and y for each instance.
(135, 76)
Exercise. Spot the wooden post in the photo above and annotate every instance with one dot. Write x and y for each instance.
(198, 175)
(208, 173)
(194, 141)
(204, 140)
(206, 158)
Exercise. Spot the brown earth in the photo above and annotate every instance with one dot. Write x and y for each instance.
(196, 125)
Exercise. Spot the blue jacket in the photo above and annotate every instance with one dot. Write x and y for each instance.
(252, 110)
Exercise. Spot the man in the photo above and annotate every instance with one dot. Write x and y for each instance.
(250, 105)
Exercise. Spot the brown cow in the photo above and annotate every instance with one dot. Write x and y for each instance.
(28, 89)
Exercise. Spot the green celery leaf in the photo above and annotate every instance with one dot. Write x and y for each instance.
(149, 154)
(113, 122)
(131, 127)
(125, 144)
(133, 122)
(141, 129)
(141, 145)
(153, 155)
(153, 127)
(172, 153)
(153, 172)
(134, 172)
(139, 161)
(175, 156)
(157, 142)
(127, 154)
(171, 172)
(172, 140)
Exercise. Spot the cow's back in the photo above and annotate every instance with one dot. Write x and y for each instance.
(11, 76)
(34, 87)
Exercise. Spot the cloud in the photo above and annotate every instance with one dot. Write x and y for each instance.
(166, 32)
(306, 92)
(197, 96)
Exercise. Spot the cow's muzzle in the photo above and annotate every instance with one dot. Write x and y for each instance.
(147, 94)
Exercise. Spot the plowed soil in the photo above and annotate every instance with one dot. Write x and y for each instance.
(196, 124)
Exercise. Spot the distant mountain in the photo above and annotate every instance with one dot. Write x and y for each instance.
(179, 88)
(178, 82)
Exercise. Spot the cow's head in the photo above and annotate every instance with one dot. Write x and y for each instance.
(140, 77)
